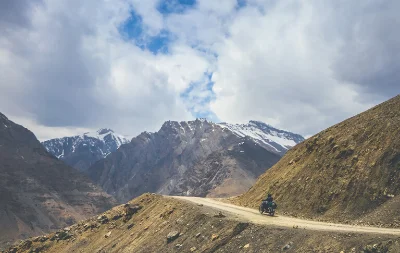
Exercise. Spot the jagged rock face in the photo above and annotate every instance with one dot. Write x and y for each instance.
(84, 150)
(196, 158)
(349, 171)
(39, 193)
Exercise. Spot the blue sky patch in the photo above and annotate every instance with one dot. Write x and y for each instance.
(241, 4)
(159, 43)
(175, 6)
(156, 44)
(133, 27)
(195, 102)
(133, 30)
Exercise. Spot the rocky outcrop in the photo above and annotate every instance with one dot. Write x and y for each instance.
(38, 192)
(172, 236)
(82, 151)
(197, 158)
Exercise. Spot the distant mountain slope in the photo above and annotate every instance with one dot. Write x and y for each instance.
(272, 139)
(349, 171)
(39, 193)
(196, 158)
(82, 151)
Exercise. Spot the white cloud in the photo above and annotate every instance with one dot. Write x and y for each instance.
(71, 70)
(302, 66)
(45, 133)
(220, 8)
(276, 61)
(273, 68)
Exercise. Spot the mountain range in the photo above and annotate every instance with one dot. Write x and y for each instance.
(41, 193)
(347, 173)
(195, 158)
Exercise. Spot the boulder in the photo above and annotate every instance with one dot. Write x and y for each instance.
(214, 237)
(172, 236)
(219, 215)
(287, 246)
(129, 210)
(102, 219)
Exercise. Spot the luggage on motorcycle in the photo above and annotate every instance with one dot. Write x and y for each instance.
(272, 204)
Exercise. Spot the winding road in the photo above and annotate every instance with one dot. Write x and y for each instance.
(253, 216)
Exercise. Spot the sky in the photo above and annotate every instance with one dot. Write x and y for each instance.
(72, 66)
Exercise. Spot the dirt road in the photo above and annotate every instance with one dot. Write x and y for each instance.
(253, 216)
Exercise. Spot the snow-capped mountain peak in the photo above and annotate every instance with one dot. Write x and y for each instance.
(107, 135)
(104, 131)
(271, 138)
(83, 150)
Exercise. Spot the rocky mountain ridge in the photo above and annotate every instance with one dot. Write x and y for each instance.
(38, 192)
(196, 158)
(82, 151)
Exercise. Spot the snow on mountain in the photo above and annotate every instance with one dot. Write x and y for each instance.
(273, 139)
(107, 136)
(82, 151)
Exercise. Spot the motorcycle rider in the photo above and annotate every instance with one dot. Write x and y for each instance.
(268, 200)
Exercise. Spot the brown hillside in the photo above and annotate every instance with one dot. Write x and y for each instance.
(197, 229)
(39, 193)
(348, 172)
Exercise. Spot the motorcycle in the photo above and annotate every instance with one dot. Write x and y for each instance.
(268, 207)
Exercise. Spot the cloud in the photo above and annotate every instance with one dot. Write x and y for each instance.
(66, 66)
(300, 66)
(16, 13)
(46, 132)
(370, 47)
(70, 68)
(274, 67)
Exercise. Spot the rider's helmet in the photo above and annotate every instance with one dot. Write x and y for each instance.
(269, 195)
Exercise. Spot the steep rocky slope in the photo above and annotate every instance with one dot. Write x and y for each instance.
(153, 223)
(196, 158)
(348, 172)
(82, 151)
(39, 193)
